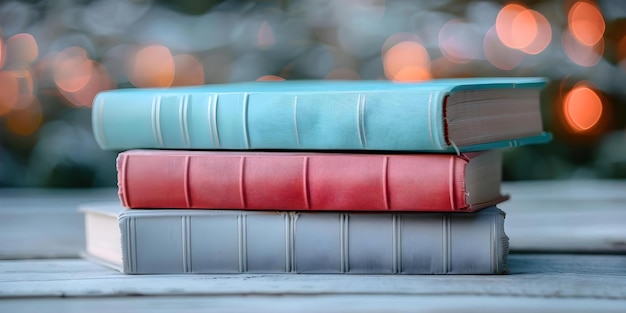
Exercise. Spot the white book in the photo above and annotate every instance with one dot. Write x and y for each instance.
(180, 241)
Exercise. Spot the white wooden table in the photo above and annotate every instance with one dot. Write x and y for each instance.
(576, 263)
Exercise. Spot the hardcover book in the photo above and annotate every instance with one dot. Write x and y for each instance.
(235, 241)
(445, 115)
(309, 181)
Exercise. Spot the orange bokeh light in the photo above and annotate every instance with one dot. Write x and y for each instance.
(586, 23)
(72, 69)
(22, 49)
(499, 55)
(97, 82)
(582, 108)
(9, 93)
(269, 78)
(2, 53)
(16, 89)
(408, 57)
(524, 29)
(412, 74)
(543, 36)
(581, 54)
(25, 121)
(152, 66)
(265, 37)
(188, 71)
(516, 26)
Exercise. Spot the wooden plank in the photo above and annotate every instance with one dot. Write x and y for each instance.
(44, 223)
(553, 276)
(566, 216)
(306, 303)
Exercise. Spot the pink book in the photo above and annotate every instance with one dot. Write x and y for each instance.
(309, 181)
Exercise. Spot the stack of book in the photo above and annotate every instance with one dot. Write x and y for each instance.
(367, 177)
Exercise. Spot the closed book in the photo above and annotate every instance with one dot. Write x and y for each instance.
(443, 115)
(309, 181)
(236, 241)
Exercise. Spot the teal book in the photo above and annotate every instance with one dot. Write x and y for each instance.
(443, 115)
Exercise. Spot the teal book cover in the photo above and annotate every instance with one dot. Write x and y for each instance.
(434, 116)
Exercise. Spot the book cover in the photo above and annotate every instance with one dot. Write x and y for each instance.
(444, 115)
(235, 241)
(309, 181)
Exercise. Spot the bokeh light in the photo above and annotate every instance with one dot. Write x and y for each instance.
(152, 66)
(582, 54)
(98, 81)
(2, 53)
(9, 92)
(72, 69)
(22, 49)
(25, 121)
(26, 87)
(16, 89)
(543, 36)
(269, 78)
(265, 37)
(499, 55)
(458, 41)
(188, 71)
(586, 23)
(582, 108)
(406, 60)
(516, 26)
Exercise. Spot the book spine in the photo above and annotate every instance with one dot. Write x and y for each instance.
(416, 182)
(279, 242)
(376, 120)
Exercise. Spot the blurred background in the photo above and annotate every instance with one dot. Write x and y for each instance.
(56, 55)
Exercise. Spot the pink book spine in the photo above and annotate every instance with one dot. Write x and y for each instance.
(292, 181)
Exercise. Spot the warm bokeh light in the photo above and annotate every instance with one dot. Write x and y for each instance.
(16, 89)
(523, 29)
(25, 121)
(152, 66)
(582, 107)
(26, 87)
(581, 54)
(457, 43)
(22, 49)
(9, 92)
(586, 23)
(188, 71)
(72, 69)
(342, 74)
(543, 37)
(269, 78)
(408, 57)
(516, 26)
(98, 81)
(2, 53)
(412, 74)
(499, 55)
(265, 37)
